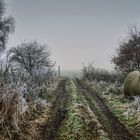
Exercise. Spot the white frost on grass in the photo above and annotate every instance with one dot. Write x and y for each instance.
(137, 103)
(12, 106)
(23, 107)
(40, 104)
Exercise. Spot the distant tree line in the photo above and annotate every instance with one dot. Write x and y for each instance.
(91, 73)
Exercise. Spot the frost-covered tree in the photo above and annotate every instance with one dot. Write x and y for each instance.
(30, 56)
(127, 57)
(7, 26)
(91, 73)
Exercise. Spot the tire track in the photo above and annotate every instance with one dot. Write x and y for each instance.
(115, 129)
(58, 114)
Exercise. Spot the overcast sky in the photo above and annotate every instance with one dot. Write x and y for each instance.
(76, 31)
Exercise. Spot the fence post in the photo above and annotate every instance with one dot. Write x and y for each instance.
(59, 71)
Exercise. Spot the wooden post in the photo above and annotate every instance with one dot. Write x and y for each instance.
(59, 71)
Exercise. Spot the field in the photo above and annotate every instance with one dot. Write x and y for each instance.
(79, 111)
(76, 94)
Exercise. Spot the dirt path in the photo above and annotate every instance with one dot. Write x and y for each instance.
(58, 112)
(115, 129)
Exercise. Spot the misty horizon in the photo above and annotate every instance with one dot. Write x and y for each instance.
(76, 32)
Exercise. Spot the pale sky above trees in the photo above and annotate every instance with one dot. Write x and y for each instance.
(77, 31)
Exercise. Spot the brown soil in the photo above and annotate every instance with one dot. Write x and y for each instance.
(58, 114)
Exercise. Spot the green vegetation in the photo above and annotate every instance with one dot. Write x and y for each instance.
(123, 108)
(80, 123)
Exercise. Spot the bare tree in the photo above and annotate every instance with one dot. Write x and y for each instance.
(7, 26)
(127, 57)
(30, 56)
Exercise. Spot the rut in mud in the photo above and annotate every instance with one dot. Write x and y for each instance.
(115, 129)
(58, 112)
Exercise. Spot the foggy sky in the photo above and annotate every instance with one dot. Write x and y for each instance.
(76, 31)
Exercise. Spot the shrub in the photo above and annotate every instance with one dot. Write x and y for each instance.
(91, 73)
(12, 107)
